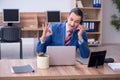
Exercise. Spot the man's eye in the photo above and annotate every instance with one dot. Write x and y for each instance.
(76, 22)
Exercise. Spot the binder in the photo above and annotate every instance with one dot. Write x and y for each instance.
(97, 3)
(92, 27)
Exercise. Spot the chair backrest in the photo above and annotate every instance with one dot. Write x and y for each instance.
(10, 34)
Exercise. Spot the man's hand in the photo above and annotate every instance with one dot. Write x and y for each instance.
(80, 29)
(46, 31)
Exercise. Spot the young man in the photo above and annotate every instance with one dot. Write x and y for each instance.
(70, 33)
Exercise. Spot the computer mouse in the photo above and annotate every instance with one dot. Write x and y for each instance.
(109, 60)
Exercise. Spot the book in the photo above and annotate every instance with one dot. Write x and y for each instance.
(22, 69)
(114, 66)
(79, 3)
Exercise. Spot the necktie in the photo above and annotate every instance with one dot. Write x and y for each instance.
(67, 41)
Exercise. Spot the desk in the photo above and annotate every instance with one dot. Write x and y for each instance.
(55, 72)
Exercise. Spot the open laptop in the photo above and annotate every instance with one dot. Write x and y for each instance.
(61, 55)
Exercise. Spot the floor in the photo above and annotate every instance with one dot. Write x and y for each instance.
(11, 51)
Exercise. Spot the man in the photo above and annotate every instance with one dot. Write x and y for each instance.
(57, 34)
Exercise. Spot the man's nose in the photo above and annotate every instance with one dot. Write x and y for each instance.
(72, 23)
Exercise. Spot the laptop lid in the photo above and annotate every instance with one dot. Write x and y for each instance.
(61, 55)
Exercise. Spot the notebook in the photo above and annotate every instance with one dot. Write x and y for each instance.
(61, 55)
(22, 69)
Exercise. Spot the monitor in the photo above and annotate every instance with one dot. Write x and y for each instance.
(97, 58)
(53, 16)
(11, 16)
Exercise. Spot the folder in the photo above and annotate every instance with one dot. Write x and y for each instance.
(22, 69)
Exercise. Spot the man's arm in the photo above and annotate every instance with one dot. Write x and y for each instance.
(40, 47)
(83, 47)
(47, 32)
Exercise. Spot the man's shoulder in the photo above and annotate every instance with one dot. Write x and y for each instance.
(58, 25)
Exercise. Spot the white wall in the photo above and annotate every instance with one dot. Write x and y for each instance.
(37, 5)
(110, 35)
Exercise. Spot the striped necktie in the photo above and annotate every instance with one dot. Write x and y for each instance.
(68, 38)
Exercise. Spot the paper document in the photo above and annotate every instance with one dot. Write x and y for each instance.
(114, 66)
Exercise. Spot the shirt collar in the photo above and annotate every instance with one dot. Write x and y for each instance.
(67, 28)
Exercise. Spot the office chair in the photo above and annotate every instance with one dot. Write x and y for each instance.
(11, 34)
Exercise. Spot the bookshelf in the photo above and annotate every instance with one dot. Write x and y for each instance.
(92, 10)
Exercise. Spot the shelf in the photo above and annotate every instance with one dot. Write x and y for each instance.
(92, 19)
(93, 45)
(90, 8)
(93, 33)
(31, 29)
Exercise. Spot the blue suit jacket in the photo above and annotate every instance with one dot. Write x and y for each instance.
(58, 39)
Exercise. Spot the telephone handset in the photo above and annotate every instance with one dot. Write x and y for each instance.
(80, 27)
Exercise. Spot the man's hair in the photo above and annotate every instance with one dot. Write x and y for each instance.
(78, 12)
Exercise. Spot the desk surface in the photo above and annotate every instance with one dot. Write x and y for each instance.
(54, 72)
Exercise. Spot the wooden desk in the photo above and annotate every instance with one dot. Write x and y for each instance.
(55, 72)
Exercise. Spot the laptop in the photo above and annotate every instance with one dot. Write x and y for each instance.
(61, 55)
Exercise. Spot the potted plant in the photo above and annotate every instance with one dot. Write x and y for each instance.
(115, 19)
(42, 61)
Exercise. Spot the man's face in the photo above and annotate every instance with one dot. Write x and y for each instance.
(73, 20)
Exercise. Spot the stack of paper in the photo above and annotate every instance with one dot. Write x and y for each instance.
(22, 69)
(114, 66)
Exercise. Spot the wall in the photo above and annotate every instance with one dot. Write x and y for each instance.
(110, 35)
(37, 5)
